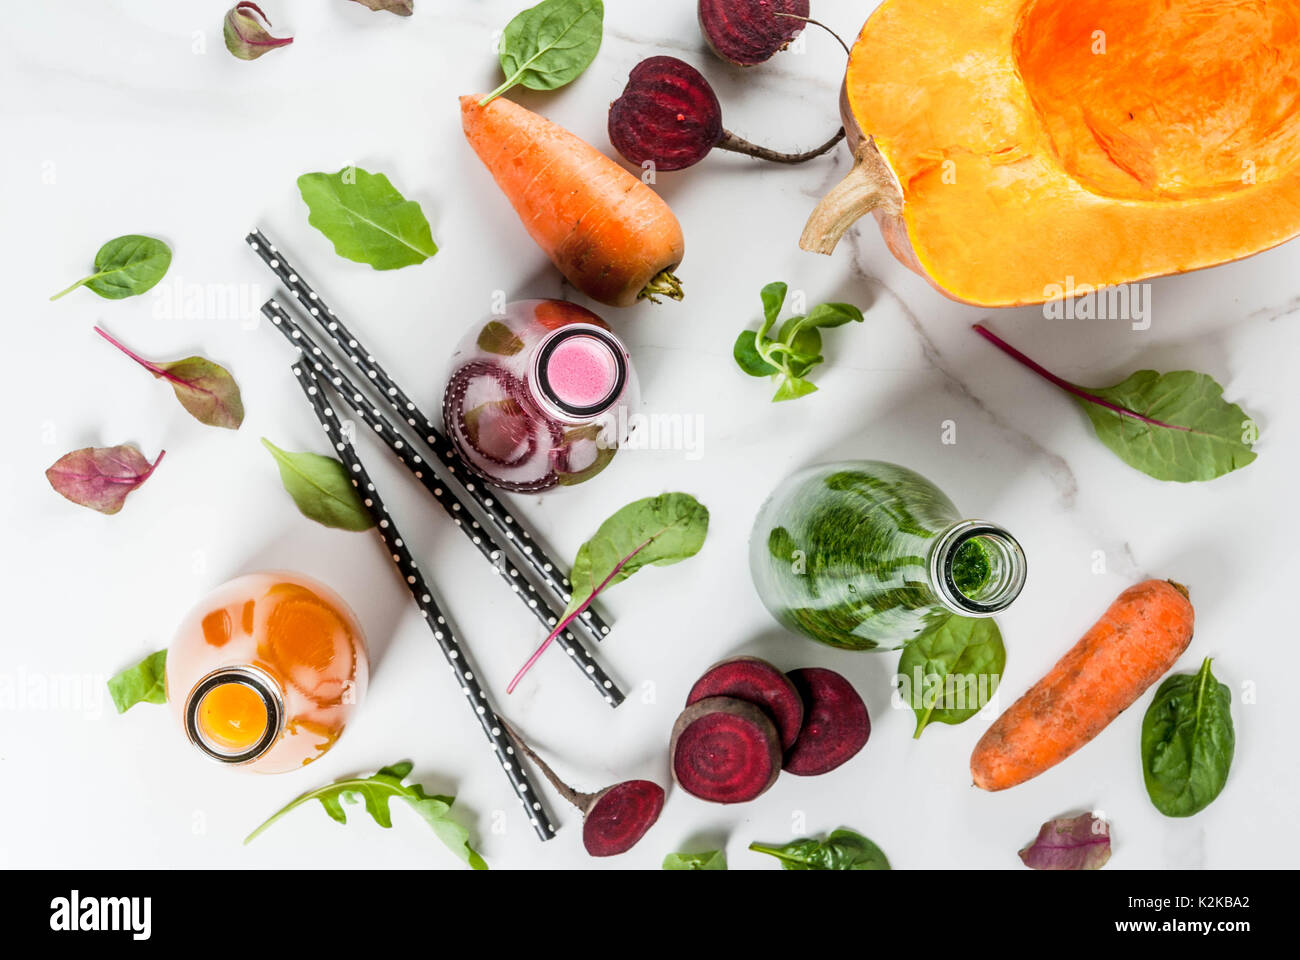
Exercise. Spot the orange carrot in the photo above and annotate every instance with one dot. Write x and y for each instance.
(1134, 643)
(609, 233)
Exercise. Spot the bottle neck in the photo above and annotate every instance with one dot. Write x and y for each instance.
(578, 372)
(977, 568)
(235, 714)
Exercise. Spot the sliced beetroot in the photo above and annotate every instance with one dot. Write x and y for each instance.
(725, 750)
(746, 32)
(758, 682)
(620, 815)
(669, 117)
(835, 722)
(615, 818)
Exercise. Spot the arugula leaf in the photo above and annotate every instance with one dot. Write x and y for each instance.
(376, 791)
(205, 389)
(367, 219)
(1070, 843)
(1173, 426)
(1187, 742)
(657, 531)
(842, 850)
(125, 267)
(942, 669)
(146, 682)
(321, 488)
(550, 44)
(796, 349)
(708, 860)
(101, 477)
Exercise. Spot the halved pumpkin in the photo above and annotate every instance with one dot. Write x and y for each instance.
(1012, 148)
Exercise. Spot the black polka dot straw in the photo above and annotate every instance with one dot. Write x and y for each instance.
(461, 667)
(321, 367)
(550, 575)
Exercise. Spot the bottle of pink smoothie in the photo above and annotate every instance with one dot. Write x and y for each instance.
(539, 396)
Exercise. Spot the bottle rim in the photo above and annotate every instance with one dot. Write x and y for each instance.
(1013, 565)
(545, 393)
(260, 682)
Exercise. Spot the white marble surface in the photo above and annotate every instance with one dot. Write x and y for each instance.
(115, 121)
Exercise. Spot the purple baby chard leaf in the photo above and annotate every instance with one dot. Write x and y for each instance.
(101, 477)
(403, 8)
(1070, 843)
(205, 389)
(655, 531)
(245, 35)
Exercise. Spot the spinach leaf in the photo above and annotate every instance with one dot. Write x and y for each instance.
(321, 488)
(125, 267)
(1173, 426)
(146, 682)
(708, 860)
(842, 850)
(949, 671)
(1070, 843)
(376, 791)
(1187, 742)
(657, 531)
(367, 219)
(550, 44)
(796, 348)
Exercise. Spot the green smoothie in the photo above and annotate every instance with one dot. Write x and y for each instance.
(866, 555)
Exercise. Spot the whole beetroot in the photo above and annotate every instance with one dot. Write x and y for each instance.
(669, 116)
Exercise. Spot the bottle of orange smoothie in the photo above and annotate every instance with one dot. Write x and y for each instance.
(266, 671)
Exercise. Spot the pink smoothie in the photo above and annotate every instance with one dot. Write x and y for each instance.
(582, 371)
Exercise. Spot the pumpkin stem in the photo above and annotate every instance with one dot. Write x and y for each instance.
(869, 186)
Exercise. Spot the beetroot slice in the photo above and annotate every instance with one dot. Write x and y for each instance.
(747, 32)
(835, 726)
(668, 115)
(618, 816)
(758, 682)
(725, 750)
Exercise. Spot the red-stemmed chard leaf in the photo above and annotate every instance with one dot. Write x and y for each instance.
(403, 8)
(655, 531)
(101, 477)
(205, 389)
(245, 35)
(1070, 843)
(1171, 426)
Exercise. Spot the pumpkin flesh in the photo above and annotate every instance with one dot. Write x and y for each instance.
(1042, 145)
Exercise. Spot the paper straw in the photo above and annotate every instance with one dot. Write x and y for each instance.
(508, 527)
(491, 551)
(460, 665)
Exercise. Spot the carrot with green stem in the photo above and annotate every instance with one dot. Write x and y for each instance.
(612, 236)
(1136, 642)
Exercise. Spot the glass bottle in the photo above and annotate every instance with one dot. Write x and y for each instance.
(539, 396)
(266, 671)
(866, 555)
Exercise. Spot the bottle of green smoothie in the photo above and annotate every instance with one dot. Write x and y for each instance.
(866, 555)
